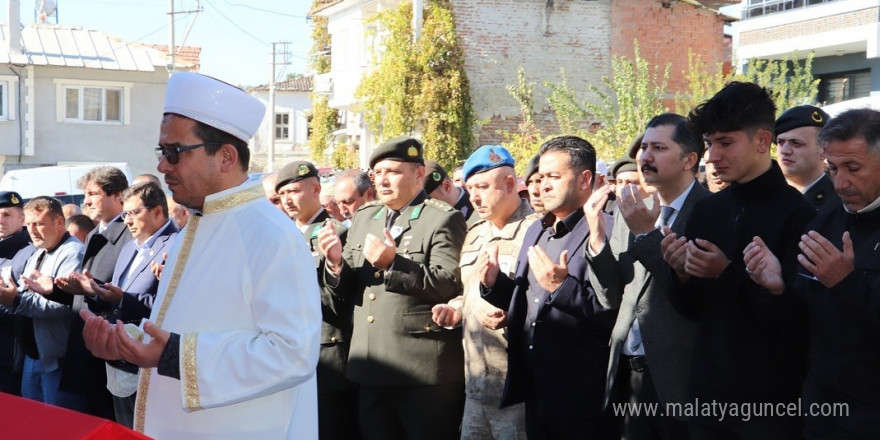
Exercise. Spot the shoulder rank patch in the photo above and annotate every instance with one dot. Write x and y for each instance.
(475, 224)
(443, 206)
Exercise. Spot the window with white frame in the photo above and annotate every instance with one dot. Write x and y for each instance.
(93, 102)
(4, 98)
(8, 86)
(282, 125)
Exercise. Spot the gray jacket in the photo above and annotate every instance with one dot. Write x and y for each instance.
(51, 319)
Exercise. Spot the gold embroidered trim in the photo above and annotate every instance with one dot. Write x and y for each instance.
(233, 200)
(140, 408)
(190, 372)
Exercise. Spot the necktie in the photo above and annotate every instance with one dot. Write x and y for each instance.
(392, 216)
(665, 214)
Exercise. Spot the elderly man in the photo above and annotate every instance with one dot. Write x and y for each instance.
(298, 186)
(269, 181)
(439, 186)
(557, 328)
(651, 343)
(840, 281)
(749, 345)
(400, 259)
(229, 351)
(801, 158)
(44, 340)
(491, 181)
(352, 190)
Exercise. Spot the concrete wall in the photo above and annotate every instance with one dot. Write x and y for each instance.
(55, 141)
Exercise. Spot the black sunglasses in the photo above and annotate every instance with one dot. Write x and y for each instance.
(172, 154)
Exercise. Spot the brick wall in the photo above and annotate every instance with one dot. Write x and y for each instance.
(665, 35)
(499, 36)
(810, 27)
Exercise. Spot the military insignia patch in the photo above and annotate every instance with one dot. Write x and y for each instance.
(436, 176)
(303, 170)
(494, 157)
(817, 117)
(412, 152)
(14, 199)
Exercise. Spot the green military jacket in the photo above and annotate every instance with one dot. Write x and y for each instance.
(395, 341)
(336, 314)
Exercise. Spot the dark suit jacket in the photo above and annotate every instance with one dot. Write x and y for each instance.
(570, 335)
(629, 272)
(336, 315)
(141, 287)
(823, 196)
(82, 372)
(9, 248)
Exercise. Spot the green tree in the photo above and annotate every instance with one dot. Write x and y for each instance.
(524, 143)
(324, 120)
(420, 86)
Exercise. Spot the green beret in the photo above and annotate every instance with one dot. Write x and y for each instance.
(801, 116)
(9, 199)
(294, 172)
(434, 176)
(401, 149)
(624, 164)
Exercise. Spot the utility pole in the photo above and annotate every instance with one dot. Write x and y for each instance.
(417, 18)
(171, 45)
(284, 53)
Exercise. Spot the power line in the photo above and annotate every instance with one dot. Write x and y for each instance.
(217, 10)
(263, 10)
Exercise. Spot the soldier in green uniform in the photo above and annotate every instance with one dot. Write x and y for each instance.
(439, 186)
(298, 187)
(401, 258)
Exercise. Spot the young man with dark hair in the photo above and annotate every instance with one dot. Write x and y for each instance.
(750, 342)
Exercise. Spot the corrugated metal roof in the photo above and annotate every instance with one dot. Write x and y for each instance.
(56, 45)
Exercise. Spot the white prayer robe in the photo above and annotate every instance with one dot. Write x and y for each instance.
(246, 303)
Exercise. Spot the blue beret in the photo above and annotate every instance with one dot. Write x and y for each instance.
(486, 158)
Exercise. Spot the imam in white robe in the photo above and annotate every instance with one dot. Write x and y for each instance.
(239, 287)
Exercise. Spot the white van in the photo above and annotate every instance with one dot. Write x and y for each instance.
(56, 181)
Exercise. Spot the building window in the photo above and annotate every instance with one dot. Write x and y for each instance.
(8, 87)
(757, 8)
(844, 86)
(282, 126)
(93, 102)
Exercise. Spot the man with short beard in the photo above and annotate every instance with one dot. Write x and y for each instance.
(557, 328)
(491, 182)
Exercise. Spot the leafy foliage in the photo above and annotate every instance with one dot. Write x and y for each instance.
(523, 143)
(324, 120)
(420, 86)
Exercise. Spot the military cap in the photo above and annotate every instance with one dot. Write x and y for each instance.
(532, 166)
(623, 165)
(294, 172)
(434, 176)
(9, 199)
(401, 148)
(635, 146)
(801, 116)
(486, 158)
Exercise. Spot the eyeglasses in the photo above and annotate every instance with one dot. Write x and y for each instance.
(172, 154)
(135, 211)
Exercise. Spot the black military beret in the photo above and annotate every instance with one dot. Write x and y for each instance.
(801, 116)
(532, 167)
(294, 172)
(401, 148)
(9, 199)
(434, 175)
(623, 165)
